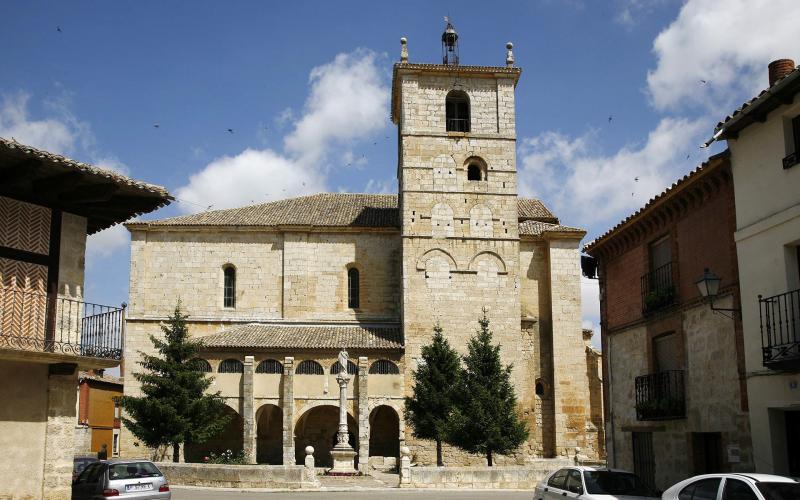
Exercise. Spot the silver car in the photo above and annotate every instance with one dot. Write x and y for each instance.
(135, 479)
(592, 483)
(733, 486)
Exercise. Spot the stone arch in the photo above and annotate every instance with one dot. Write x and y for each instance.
(487, 254)
(384, 432)
(269, 435)
(317, 426)
(230, 438)
(476, 168)
(480, 222)
(442, 225)
(422, 262)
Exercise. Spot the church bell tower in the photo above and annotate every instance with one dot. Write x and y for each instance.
(458, 200)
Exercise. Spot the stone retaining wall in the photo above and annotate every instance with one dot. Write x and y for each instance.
(500, 477)
(238, 476)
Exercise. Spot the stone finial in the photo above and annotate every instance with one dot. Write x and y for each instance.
(309, 461)
(405, 451)
(509, 55)
(403, 50)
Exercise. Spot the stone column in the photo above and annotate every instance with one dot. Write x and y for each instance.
(248, 411)
(363, 415)
(342, 453)
(60, 431)
(405, 466)
(288, 411)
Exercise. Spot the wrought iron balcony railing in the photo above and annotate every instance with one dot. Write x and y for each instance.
(661, 396)
(780, 330)
(34, 321)
(658, 289)
(458, 124)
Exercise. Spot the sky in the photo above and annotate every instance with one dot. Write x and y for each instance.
(232, 103)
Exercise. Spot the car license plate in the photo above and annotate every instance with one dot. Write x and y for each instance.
(139, 487)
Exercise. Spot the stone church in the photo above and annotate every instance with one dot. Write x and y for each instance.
(275, 290)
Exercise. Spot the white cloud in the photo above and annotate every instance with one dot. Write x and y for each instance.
(386, 186)
(348, 100)
(584, 186)
(107, 241)
(631, 11)
(50, 134)
(112, 163)
(252, 176)
(728, 44)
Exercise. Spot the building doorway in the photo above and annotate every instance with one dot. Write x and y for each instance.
(318, 427)
(269, 435)
(793, 442)
(384, 434)
(706, 452)
(644, 464)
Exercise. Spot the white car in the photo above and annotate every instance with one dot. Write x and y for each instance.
(732, 486)
(592, 483)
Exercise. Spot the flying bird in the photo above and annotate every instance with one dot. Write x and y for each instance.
(156, 125)
(610, 118)
(58, 28)
(636, 179)
(703, 82)
(687, 156)
(230, 130)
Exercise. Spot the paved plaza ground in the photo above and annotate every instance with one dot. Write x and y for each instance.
(389, 494)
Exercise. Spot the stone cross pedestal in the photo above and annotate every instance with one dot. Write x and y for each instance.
(342, 453)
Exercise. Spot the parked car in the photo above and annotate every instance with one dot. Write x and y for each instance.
(734, 487)
(135, 479)
(80, 462)
(592, 483)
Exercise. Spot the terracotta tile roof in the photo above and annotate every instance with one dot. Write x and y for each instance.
(750, 111)
(537, 228)
(325, 210)
(272, 336)
(109, 379)
(676, 186)
(533, 209)
(103, 196)
(52, 158)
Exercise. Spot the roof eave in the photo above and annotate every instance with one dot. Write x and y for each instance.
(775, 96)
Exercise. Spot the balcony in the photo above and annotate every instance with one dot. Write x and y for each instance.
(780, 330)
(31, 321)
(791, 160)
(660, 396)
(458, 124)
(658, 289)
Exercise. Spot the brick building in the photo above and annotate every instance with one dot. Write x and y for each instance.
(275, 290)
(674, 384)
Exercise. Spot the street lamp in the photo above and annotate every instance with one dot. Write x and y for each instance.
(708, 285)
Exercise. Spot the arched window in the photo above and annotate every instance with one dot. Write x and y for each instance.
(352, 369)
(231, 366)
(229, 286)
(474, 173)
(270, 366)
(353, 288)
(457, 111)
(383, 367)
(309, 367)
(201, 365)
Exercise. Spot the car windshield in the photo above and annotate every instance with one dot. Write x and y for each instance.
(615, 483)
(779, 491)
(132, 471)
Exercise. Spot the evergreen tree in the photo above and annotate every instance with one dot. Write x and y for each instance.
(174, 407)
(484, 418)
(429, 408)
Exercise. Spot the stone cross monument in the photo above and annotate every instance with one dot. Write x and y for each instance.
(342, 453)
